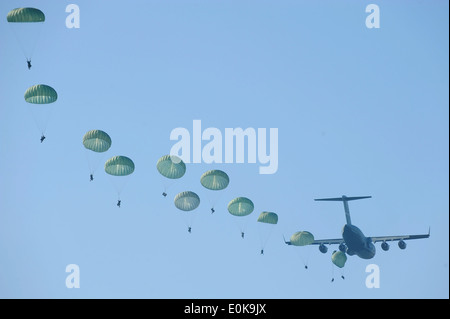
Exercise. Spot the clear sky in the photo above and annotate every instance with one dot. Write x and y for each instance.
(359, 112)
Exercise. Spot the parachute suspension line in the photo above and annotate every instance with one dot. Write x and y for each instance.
(242, 225)
(118, 185)
(94, 160)
(332, 272)
(304, 261)
(306, 256)
(35, 119)
(19, 41)
(188, 219)
(238, 225)
(42, 122)
(342, 273)
(86, 153)
(34, 43)
(215, 199)
(264, 235)
(167, 185)
(122, 186)
(47, 119)
(27, 51)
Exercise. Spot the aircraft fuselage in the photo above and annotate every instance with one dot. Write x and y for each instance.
(357, 243)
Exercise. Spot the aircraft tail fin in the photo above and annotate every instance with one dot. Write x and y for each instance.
(345, 200)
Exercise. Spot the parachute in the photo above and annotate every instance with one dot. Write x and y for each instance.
(266, 220)
(171, 167)
(302, 238)
(96, 141)
(26, 25)
(42, 95)
(339, 258)
(25, 15)
(241, 207)
(120, 166)
(187, 201)
(214, 180)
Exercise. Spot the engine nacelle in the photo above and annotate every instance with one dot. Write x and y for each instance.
(343, 247)
(323, 249)
(402, 244)
(385, 246)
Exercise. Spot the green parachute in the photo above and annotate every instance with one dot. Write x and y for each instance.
(268, 218)
(214, 180)
(266, 222)
(41, 95)
(339, 258)
(241, 207)
(25, 15)
(171, 167)
(120, 166)
(186, 202)
(95, 141)
(26, 25)
(302, 238)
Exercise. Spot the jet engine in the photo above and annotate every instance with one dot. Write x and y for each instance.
(385, 246)
(402, 244)
(323, 249)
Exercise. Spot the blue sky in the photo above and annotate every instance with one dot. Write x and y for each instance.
(359, 112)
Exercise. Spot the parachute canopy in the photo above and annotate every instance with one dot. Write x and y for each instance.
(339, 258)
(268, 218)
(119, 166)
(187, 201)
(40, 94)
(25, 15)
(302, 238)
(215, 180)
(240, 206)
(97, 141)
(171, 166)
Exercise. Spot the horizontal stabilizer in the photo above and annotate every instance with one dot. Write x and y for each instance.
(342, 199)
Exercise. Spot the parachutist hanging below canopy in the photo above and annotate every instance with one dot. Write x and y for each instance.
(171, 167)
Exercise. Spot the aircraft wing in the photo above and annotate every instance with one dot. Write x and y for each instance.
(397, 238)
(336, 241)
